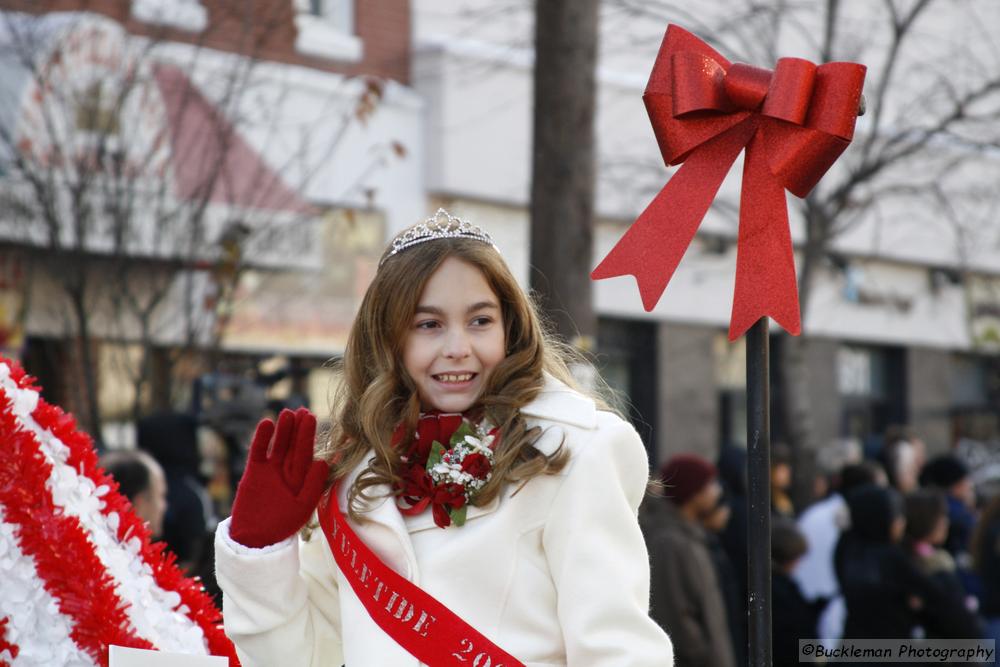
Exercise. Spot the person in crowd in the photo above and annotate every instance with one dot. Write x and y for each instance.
(781, 481)
(792, 616)
(686, 598)
(821, 525)
(926, 531)
(950, 474)
(172, 439)
(140, 479)
(830, 461)
(986, 559)
(732, 471)
(903, 454)
(715, 523)
(887, 595)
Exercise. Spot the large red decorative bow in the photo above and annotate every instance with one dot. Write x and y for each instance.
(794, 122)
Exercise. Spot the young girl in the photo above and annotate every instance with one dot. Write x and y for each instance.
(472, 508)
(886, 593)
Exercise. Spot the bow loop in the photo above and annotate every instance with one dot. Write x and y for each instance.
(835, 99)
(697, 84)
(746, 86)
(800, 156)
(790, 91)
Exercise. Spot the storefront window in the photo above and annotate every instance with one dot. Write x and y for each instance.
(975, 399)
(183, 14)
(731, 379)
(339, 13)
(326, 29)
(872, 385)
(626, 360)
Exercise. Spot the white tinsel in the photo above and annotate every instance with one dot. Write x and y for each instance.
(34, 622)
(156, 614)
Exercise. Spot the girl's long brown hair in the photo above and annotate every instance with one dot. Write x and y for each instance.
(375, 392)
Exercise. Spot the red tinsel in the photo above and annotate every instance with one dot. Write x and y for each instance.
(167, 575)
(55, 540)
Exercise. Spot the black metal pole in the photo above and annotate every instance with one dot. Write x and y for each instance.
(759, 492)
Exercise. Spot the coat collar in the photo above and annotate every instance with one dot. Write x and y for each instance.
(556, 403)
(559, 403)
(678, 523)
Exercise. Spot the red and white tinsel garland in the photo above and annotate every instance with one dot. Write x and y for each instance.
(78, 572)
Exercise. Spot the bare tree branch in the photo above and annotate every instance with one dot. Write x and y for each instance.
(127, 243)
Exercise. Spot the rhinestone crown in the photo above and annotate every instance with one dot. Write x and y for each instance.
(442, 225)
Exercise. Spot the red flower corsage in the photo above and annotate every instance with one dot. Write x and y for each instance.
(446, 478)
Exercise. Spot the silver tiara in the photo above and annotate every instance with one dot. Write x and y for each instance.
(442, 225)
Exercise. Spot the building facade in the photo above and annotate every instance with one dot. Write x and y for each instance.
(196, 186)
(371, 114)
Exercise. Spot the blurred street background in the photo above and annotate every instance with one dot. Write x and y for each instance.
(194, 195)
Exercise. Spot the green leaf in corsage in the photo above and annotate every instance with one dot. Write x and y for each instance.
(458, 515)
(460, 433)
(437, 451)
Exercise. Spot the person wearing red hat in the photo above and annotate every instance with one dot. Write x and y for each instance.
(686, 599)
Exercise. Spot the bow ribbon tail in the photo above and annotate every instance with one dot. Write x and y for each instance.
(653, 246)
(765, 262)
(414, 509)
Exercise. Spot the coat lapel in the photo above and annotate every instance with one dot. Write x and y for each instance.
(558, 403)
(385, 531)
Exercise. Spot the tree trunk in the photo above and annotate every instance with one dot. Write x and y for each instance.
(143, 377)
(562, 184)
(794, 369)
(91, 416)
(798, 416)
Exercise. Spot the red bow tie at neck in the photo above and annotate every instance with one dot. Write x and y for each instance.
(432, 426)
(794, 123)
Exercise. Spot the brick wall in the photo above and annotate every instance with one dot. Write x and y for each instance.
(266, 29)
(384, 28)
(116, 9)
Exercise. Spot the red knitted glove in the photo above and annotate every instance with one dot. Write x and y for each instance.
(281, 485)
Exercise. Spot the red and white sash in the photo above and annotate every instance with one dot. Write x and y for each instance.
(422, 625)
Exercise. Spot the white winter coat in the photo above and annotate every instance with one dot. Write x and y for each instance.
(556, 574)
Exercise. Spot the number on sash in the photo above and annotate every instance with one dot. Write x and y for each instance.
(465, 650)
(478, 661)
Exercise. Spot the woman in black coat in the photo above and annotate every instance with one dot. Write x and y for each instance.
(887, 595)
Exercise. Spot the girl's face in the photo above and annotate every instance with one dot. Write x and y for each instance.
(456, 338)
